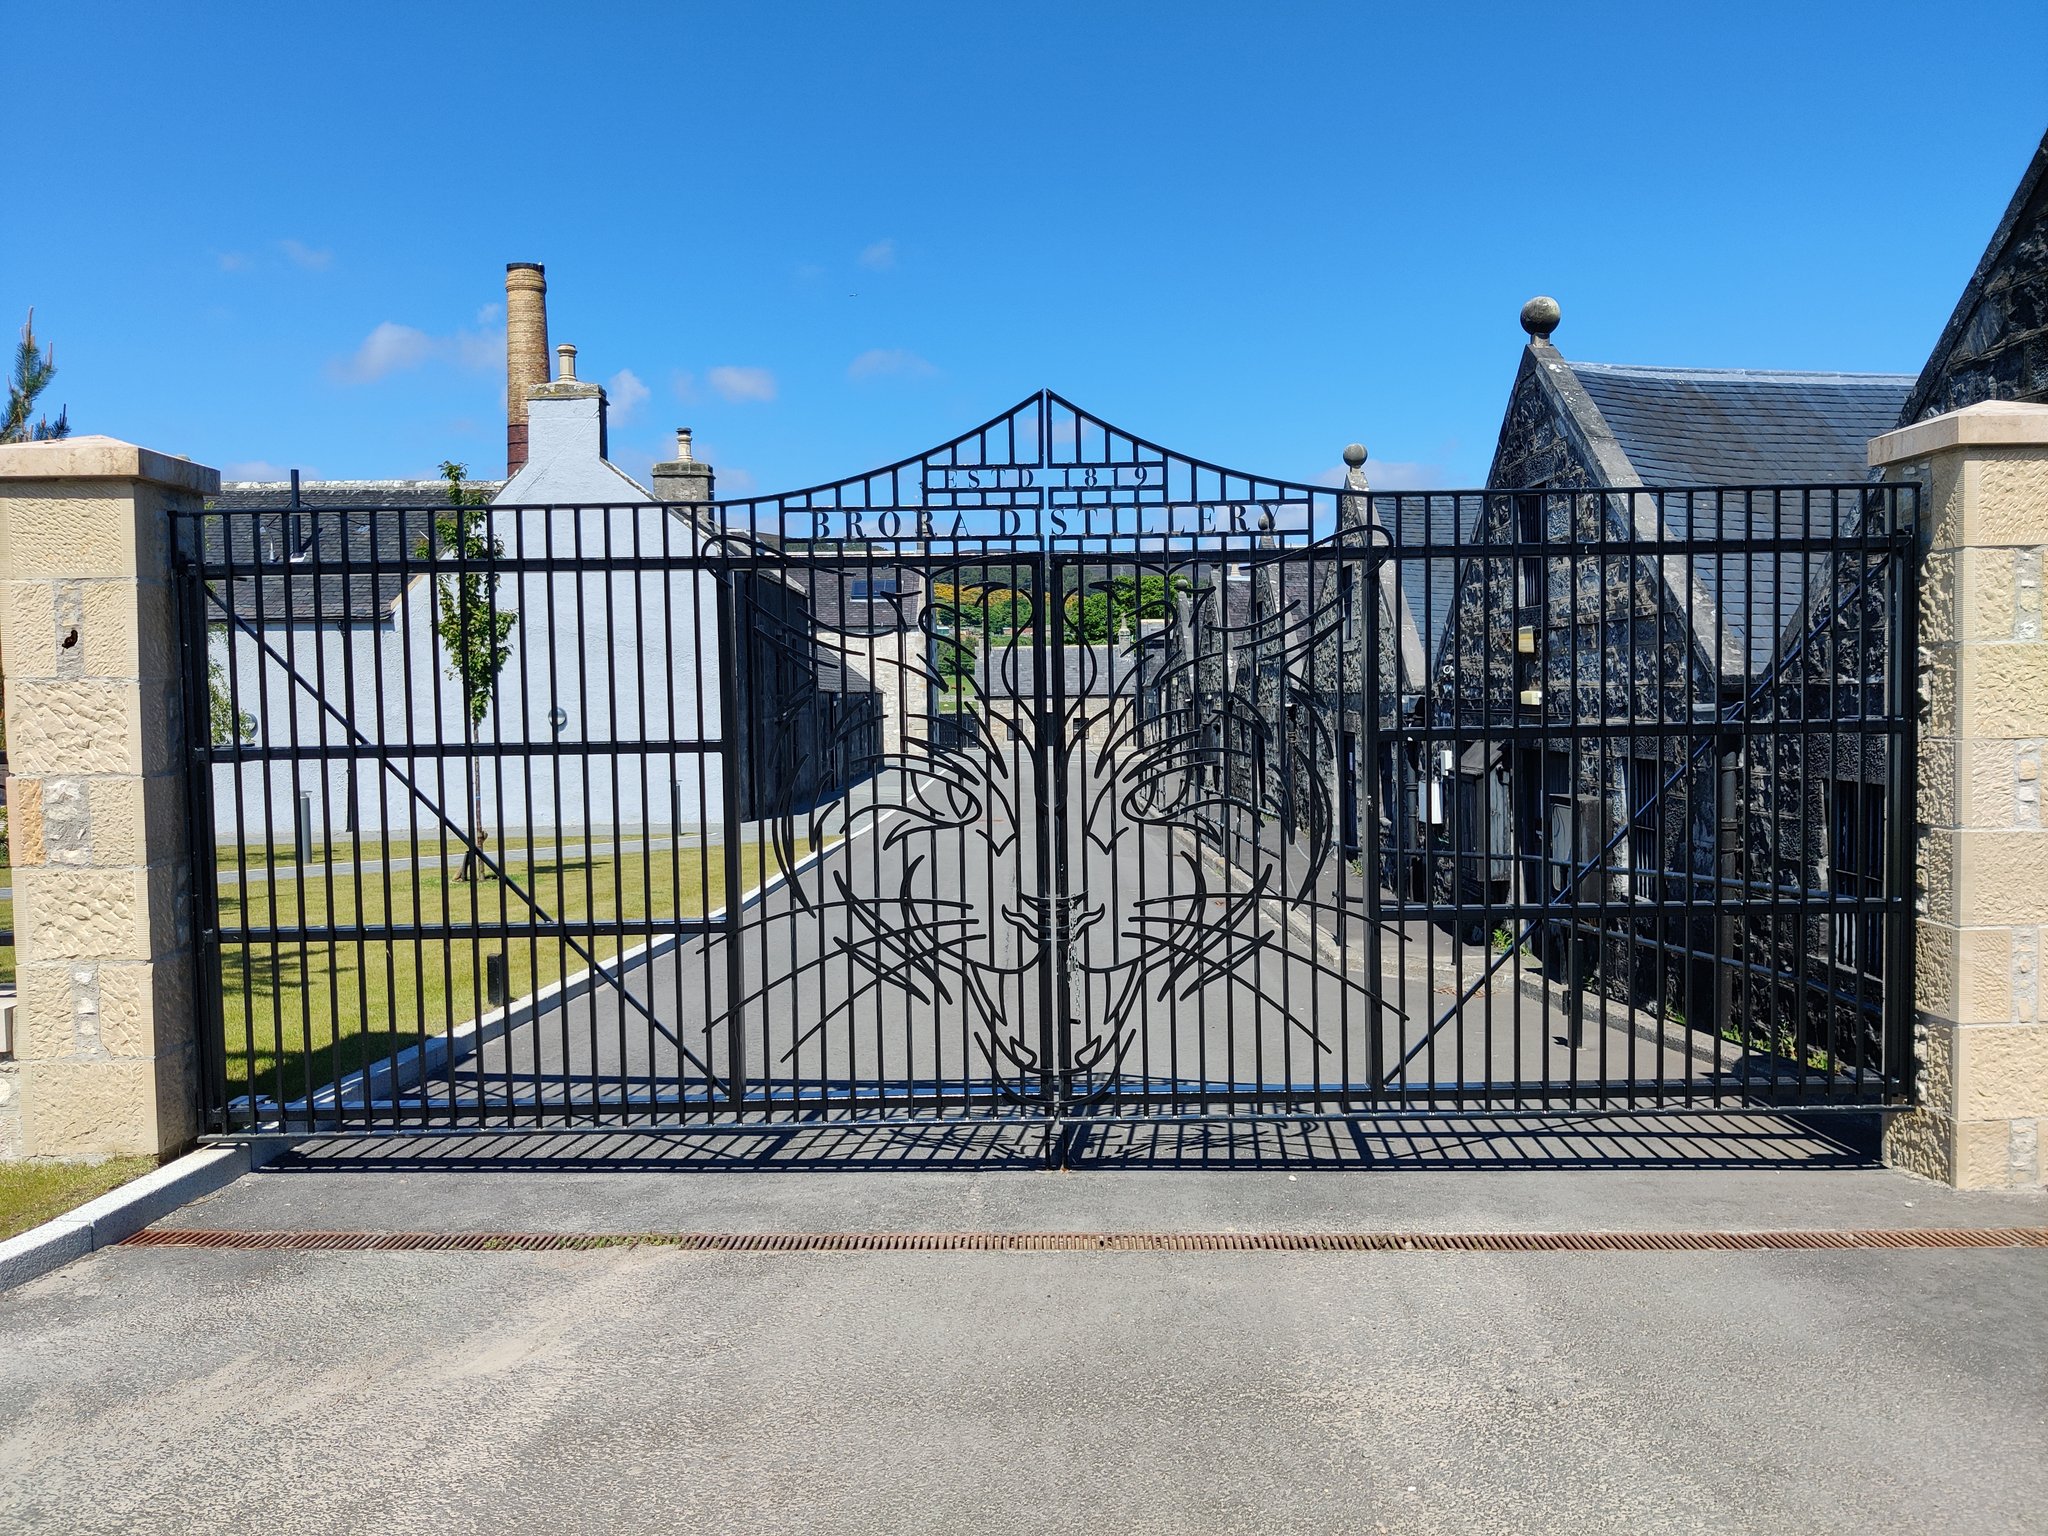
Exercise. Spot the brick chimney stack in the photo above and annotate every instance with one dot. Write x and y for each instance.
(526, 350)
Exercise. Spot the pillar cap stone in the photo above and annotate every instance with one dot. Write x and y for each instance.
(1354, 454)
(105, 458)
(1988, 424)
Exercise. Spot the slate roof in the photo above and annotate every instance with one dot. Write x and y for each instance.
(1428, 586)
(1681, 427)
(337, 520)
(1715, 426)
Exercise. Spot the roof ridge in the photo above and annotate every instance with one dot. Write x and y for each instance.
(1769, 375)
(372, 485)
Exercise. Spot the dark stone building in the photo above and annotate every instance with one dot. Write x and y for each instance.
(1995, 345)
(1600, 685)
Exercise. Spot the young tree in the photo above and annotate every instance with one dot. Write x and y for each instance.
(474, 635)
(31, 376)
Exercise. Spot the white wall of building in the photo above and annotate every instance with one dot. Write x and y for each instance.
(626, 655)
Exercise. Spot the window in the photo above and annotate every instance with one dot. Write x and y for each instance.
(1529, 531)
(863, 589)
(1347, 600)
(1646, 801)
(1856, 827)
(1347, 795)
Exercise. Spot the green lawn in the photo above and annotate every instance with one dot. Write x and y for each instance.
(31, 1193)
(302, 1015)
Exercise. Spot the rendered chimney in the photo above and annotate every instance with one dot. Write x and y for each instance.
(684, 479)
(526, 350)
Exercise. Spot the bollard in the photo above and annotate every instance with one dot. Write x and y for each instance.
(305, 828)
(496, 992)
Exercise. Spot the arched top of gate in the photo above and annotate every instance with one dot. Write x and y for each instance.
(1043, 470)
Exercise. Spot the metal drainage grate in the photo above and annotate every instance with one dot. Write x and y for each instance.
(1099, 1242)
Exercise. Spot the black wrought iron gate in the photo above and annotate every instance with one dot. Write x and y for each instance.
(1050, 778)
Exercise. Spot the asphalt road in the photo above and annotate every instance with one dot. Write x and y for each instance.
(900, 965)
(174, 1390)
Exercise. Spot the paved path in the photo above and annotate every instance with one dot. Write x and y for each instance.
(173, 1390)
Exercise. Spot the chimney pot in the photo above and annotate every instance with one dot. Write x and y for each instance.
(566, 371)
(682, 445)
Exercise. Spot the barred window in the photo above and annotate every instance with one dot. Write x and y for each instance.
(1856, 823)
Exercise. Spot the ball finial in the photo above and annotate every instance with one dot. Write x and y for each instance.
(1354, 455)
(1540, 316)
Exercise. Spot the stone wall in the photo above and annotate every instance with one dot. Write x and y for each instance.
(105, 1058)
(1981, 1035)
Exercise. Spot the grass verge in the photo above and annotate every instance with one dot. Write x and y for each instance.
(302, 1014)
(31, 1193)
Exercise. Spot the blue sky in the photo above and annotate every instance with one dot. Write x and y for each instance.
(829, 235)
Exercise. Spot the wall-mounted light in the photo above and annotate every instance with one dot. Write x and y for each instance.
(558, 717)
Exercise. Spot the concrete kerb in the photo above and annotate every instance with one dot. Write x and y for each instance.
(121, 1213)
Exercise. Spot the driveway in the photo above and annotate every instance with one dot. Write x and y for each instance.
(174, 1389)
(898, 968)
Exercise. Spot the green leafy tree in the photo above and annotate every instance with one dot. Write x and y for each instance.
(1114, 607)
(475, 636)
(32, 374)
(225, 723)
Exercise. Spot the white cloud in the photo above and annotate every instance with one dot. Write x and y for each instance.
(393, 348)
(263, 469)
(390, 348)
(306, 256)
(624, 391)
(233, 261)
(742, 383)
(889, 363)
(733, 481)
(490, 315)
(880, 256)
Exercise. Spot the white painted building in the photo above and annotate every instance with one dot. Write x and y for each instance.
(334, 646)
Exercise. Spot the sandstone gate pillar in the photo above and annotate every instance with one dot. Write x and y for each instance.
(104, 1059)
(1982, 846)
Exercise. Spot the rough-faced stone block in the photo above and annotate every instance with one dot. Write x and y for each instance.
(1987, 608)
(90, 1108)
(1923, 1142)
(24, 820)
(1935, 1087)
(1985, 1157)
(1935, 875)
(1937, 688)
(82, 914)
(2007, 501)
(1939, 620)
(75, 726)
(145, 1006)
(2000, 876)
(45, 1021)
(58, 530)
(28, 611)
(2004, 689)
(2001, 1071)
(1934, 967)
